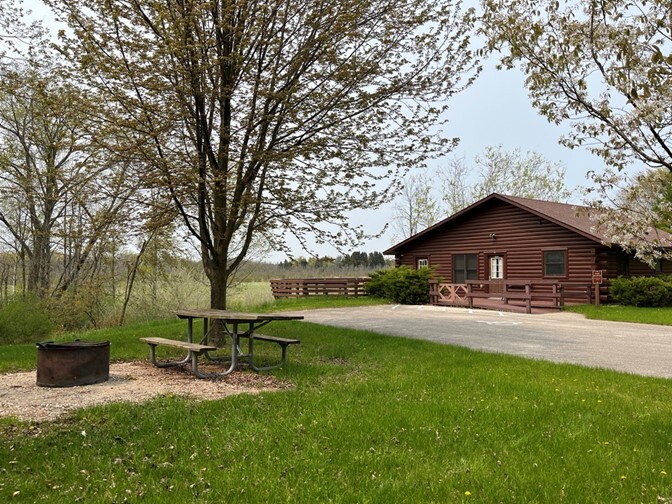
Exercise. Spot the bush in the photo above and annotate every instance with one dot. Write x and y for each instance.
(24, 320)
(401, 285)
(76, 310)
(642, 291)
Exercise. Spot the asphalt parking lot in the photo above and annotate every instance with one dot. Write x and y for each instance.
(559, 337)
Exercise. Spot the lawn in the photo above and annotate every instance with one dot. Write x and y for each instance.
(370, 418)
(618, 313)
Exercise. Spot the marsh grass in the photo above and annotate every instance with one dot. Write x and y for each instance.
(247, 296)
(371, 418)
(257, 296)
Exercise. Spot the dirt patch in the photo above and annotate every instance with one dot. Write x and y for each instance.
(133, 382)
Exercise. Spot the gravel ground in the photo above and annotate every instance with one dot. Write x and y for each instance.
(133, 382)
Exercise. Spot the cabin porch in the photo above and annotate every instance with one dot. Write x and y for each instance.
(522, 295)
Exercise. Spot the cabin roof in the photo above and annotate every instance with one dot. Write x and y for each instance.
(576, 218)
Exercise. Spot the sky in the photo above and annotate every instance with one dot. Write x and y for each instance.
(494, 111)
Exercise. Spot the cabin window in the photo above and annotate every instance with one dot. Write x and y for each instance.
(555, 263)
(465, 267)
(423, 262)
(623, 265)
(658, 267)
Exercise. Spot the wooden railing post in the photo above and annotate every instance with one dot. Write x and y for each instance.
(528, 297)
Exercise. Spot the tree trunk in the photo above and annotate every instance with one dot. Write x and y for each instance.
(38, 273)
(130, 282)
(218, 288)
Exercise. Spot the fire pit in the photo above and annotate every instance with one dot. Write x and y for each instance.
(72, 364)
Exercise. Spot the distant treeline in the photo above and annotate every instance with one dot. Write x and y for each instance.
(370, 260)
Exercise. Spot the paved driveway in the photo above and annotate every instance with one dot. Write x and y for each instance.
(559, 337)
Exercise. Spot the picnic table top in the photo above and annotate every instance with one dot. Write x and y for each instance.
(230, 316)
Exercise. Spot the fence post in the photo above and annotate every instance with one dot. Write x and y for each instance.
(528, 297)
(433, 291)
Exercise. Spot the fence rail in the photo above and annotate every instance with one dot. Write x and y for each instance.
(298, 287)
(543, 293)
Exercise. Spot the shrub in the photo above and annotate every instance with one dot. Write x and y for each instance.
(642, 291)
(24, 320)
(76, 310)
(402, 285)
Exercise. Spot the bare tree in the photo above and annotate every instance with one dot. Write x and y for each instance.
(416, 207)
(427, 196)
(456, 184)
(513, 173)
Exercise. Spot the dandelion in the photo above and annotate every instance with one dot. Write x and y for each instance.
(467, 493)
(663, 473)
(622, 477)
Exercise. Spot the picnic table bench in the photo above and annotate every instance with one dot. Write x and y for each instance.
(194, 350)
(282, 342)
(230, 322)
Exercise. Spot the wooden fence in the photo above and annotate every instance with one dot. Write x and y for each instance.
(298, 287)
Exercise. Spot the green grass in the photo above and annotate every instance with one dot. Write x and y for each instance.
(618, 313)
(314, 302)
(371, 419)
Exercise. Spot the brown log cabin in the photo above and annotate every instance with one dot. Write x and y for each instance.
(502, 238)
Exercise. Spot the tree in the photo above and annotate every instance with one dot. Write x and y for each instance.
(272, 117)
(646, 199)
(356, 259)
(36, 168)
(650, 192)
(17, 37)
(58, 193)
(511, 173)
(602, 66)
(376, 260)
(416, 207)
(456, 186)
(528, 176)
(56, 188)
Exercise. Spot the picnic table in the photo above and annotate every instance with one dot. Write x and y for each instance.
(236, 326)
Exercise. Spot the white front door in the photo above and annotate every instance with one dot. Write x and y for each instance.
(496, 274)
(496, 268)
